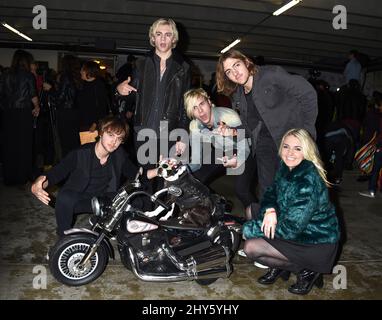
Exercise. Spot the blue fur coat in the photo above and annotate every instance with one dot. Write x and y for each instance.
(301, 200)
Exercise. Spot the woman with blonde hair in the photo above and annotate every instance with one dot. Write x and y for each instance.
(297, 228)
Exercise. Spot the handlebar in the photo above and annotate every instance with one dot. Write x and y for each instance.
(153, 198)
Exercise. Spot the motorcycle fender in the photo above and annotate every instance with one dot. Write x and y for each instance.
(96, 234)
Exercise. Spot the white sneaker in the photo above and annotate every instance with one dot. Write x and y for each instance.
(259, 265)
(241, 253)
(369, 194)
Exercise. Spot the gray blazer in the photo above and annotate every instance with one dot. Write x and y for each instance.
(284, 101)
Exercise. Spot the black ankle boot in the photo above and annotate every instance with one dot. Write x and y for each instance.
(272, 275)
(305, 281)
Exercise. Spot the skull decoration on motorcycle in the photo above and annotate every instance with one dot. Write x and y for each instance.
(171, 169)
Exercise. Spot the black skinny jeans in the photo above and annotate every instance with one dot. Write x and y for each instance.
(210, 172)
(375, 172)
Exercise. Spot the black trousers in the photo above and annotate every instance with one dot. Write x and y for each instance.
(243, 182)
(267, 162)
(17, 145)
(339, 146)
(69, 203)
(153, 185)
(377, 165)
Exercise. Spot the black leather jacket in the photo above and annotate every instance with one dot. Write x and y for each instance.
(178, 82)
(17, 89)
(64, 97)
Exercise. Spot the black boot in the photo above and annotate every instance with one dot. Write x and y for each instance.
(272, 275)
(305, 281)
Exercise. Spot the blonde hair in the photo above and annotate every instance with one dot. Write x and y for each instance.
(225, 85)
(161, 22)
(190, 98)
(309, 150)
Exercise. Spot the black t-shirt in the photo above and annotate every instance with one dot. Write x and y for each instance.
(100, 176)
(254, 117)
(156, 110)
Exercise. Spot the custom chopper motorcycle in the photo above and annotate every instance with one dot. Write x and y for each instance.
(154, 247)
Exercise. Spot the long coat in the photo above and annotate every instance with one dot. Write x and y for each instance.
(301, 200)
(284, 101)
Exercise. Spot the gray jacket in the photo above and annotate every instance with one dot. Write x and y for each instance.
(284, 101)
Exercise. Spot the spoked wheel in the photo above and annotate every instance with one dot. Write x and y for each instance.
(66, 255)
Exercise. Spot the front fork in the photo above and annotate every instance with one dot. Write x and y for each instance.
(91, 251)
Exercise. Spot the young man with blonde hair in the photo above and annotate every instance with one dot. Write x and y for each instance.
(214, 132)
(158, 83)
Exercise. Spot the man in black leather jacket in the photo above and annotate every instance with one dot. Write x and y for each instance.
(158, 83)
(93, 169)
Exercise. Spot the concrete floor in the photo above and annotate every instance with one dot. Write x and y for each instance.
(27, 230)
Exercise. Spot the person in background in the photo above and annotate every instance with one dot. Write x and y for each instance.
(353, 68)
(20, 106)
(63, 98)
(94, 169)
(297, 228)
(92, 98)
(374, 124)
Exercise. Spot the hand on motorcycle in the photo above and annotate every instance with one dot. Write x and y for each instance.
(38, 189)
(268, 226)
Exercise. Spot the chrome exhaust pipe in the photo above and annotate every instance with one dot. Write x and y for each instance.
(223, 272)
(209, 263)
(217, 256)
(154, 277)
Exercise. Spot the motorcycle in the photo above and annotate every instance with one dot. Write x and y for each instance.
(153, 249)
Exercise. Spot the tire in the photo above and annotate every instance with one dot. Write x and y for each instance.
(205, 282)
(68, 251)
(235, 241)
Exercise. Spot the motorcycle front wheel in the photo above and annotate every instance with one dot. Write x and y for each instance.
(66, 255)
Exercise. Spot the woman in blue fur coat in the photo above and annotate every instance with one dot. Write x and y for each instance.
(297, 228)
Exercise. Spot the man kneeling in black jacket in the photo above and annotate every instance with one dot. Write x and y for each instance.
(91, 170)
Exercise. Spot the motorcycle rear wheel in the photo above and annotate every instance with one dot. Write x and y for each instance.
(68, 252)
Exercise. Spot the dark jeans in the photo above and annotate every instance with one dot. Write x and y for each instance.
(267, 162)
(375, 172)
(69, 203)
(153, 185)
(341, 147)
